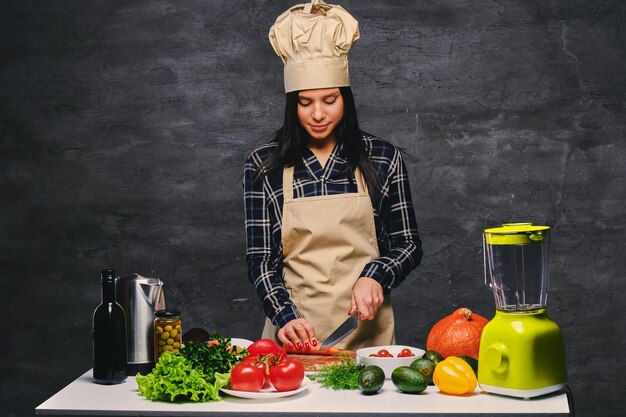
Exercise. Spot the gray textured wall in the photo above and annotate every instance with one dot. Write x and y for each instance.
(124, 127)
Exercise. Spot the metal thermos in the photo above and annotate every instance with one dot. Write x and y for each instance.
(140, 297)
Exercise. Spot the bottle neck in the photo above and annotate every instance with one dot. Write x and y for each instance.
(108, 292)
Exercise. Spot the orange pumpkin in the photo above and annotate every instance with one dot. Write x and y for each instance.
(457, 334)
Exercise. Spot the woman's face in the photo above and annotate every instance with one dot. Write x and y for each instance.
(320, 111)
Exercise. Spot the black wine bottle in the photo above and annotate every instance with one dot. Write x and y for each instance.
(109, 336)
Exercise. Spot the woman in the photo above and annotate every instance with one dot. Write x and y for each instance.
(329, 219)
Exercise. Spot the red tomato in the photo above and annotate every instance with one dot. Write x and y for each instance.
(405, 352)
(373, 355)
(251, 358)
(287, 375)
(265, 367)
(384, 353)
(267, 347)
(247, 377)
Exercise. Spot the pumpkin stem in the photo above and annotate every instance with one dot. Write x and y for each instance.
(466, 312)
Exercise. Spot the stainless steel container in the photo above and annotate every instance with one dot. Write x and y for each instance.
(140, 297)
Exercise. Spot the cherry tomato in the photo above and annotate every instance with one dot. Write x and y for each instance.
(384, 353)
(373, 355)
(287, 375)
(247, 377)
(267, 347)
(405, 352)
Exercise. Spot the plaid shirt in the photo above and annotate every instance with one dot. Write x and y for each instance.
(396, 228)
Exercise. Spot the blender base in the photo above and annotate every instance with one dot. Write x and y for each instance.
(522, 354)
(522, 393)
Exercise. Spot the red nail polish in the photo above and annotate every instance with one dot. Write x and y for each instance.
(299, 345)
(290, 345)
(307, 346)
(314, 342)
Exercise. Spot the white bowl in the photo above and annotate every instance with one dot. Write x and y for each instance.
(388, 364)
(242, 343)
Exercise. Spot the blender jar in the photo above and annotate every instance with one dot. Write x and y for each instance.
(516, 266)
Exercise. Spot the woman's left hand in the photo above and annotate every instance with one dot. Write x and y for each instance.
(367, 297)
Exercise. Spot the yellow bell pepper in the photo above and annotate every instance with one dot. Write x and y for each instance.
(454, 376)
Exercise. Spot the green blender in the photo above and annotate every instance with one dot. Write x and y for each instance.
(522, 353)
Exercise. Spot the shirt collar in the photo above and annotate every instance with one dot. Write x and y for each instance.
(335, 163)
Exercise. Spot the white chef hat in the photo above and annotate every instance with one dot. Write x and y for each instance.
(313, 41)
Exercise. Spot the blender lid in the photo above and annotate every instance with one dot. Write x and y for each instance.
(517, 234)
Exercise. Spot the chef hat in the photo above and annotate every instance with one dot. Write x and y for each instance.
(313, 41)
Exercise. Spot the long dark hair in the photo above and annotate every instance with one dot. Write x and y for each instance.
(292, 141)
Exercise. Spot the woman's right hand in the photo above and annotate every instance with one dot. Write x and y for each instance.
(298, 333)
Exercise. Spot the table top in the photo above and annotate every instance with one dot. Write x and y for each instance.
(83, 397)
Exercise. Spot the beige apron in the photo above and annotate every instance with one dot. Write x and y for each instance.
(327, 241)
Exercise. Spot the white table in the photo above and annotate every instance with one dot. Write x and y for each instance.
(83, 397)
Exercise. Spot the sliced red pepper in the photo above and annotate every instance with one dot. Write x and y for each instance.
(314, 350)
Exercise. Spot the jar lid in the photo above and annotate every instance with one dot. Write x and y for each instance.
(170, 312)
(517, 234)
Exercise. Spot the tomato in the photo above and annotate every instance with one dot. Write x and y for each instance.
(384, 353)
(287, 375)
(247, 377)
(373, 355)
(405, 352)
(266, 373)
(262, 362)
(267, 347)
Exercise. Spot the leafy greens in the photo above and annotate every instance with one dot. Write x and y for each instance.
(196, 373)
(217, 358)
(341, 376)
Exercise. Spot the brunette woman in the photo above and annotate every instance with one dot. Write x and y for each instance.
(330, 224)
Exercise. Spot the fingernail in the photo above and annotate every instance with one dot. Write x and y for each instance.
(307, 346)
(314, 342)
(299, 345)
(290, 345)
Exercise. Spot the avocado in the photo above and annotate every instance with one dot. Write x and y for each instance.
(426, 367)
(472, 362)
(407, 379)
(433, 356)
(371, 379)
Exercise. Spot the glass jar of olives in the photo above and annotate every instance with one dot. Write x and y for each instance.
(167, 332)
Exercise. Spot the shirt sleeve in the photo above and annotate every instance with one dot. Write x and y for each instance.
(405, 252)
(262, 258)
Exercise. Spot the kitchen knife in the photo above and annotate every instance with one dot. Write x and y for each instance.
(341, 332)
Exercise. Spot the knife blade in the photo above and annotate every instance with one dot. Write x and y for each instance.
(341, 332)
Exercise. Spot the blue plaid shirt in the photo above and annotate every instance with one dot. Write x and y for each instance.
(396, 228)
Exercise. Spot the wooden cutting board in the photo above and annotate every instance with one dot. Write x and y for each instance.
(317, 362)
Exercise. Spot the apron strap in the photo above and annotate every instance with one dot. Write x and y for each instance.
(288, 183)
(361, 185)
(307, 8)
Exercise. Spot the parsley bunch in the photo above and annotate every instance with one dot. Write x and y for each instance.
(344, 375)
(218, 357)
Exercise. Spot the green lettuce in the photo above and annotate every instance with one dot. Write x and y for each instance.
(174, 378)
